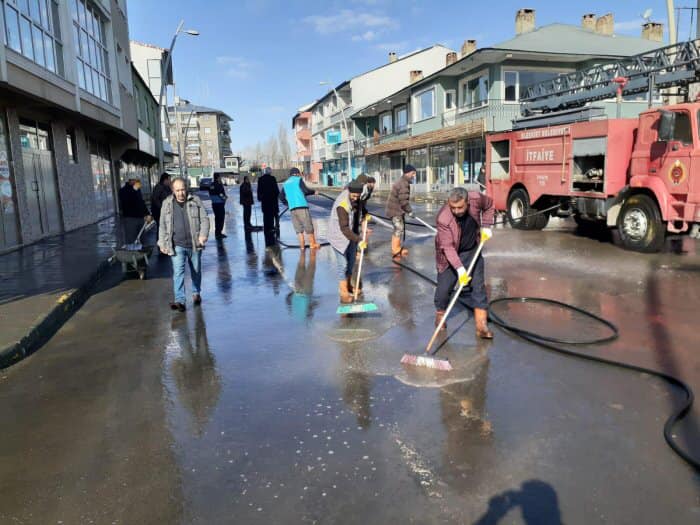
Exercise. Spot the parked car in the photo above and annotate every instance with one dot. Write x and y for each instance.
(205, 183)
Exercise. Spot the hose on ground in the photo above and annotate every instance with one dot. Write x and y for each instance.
(552, 344)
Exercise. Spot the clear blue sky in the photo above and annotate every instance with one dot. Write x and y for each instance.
(259, 60)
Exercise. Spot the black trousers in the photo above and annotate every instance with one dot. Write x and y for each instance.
(247, 210)
(474, 294)
(219, 216)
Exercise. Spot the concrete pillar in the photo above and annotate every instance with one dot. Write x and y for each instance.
(653, 31)
(450, 59)
(392, 57)
(605, 25)
(588, 21)
(468, 47)
(524, 21)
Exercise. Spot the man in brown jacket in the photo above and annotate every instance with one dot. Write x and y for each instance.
(460, 224)
(398, 205)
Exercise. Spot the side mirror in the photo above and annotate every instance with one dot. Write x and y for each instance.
(667, 123)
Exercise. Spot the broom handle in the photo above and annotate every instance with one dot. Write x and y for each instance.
(362, 255)
(425, 224)
(455, 296)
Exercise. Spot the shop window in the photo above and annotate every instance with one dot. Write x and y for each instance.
(418, 158)
(71, 145)
(442, 162)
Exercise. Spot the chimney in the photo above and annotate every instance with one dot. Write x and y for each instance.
(468, 47)
(392, 57)
(605, 25)
(588, 21)
(524, 21)
(416, 75)
(450, 58)
(653, 31)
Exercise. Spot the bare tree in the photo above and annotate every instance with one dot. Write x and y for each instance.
(284, 146)
(272, 152)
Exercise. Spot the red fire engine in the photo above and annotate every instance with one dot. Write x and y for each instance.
(640, 175)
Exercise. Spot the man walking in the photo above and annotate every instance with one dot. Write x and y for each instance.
(184, 230)
(246, 200)
(460, 224)
(218, 197)
(268, 197)
(397, 206)
(343, 240)
(161, 192)
(134, 210)
(294, 193)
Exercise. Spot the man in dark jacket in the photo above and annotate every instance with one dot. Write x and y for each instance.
(368, 187)
(268, 196)
(134, 210)
(398, 205)
(161, 192)
(246, 200)
(218, 197)
(460, 224)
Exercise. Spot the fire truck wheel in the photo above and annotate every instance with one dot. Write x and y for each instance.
(519, 210)
(640, 226)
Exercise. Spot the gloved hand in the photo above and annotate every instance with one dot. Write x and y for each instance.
(362, 245)
(486, 234)
(368, 218)
(464, 279)
(411, 215)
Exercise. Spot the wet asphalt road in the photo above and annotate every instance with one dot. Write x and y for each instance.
(263, 406)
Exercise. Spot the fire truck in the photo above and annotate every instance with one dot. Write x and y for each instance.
(563, 157)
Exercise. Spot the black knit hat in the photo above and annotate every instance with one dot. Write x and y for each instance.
(294, 171)
(355, 187)
(408, 168)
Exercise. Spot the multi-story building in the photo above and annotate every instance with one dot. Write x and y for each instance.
(301, 124)
(67, 114)
(200, 134)
(329, 114)
(437, 123)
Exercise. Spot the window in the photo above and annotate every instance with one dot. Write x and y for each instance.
(450, 102)
(90, 44)
(474, 92)
(101, 177)
(31, 28)
(419, 159)
(207, 131)
(71, 145)
(401, 119)
(385, 124)
(682, 130)
(34, 135)
(517, 82)
(424, 105)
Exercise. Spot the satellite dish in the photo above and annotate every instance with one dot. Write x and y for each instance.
(647, 15)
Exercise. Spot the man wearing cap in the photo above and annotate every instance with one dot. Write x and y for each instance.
(368, 187)
(268, 197)
(294, 193)
(397, 207)
(343, 240)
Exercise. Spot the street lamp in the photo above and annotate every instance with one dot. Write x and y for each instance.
(168, 61)
(345, 125)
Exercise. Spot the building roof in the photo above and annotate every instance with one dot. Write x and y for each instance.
(144, 44)
(562, 42)
(303, 109)
(192, 108)
(571, 39)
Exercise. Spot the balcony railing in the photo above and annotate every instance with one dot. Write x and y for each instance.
(338, 116)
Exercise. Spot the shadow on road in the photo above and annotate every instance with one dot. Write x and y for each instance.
(536, 499)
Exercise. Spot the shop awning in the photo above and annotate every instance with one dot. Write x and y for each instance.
(464, 130)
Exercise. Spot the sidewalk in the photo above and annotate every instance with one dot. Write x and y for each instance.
(43, 284)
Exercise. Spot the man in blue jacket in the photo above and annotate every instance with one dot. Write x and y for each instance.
(294, 193)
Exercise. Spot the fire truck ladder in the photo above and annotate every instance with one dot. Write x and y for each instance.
(674, 65)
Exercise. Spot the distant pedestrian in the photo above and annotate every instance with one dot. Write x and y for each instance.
(294, 193)
(134, 210)
(368, 187)
(343, 240)
(218, 197)
(268, 196)
(246, 200)
(161, 192)
(398, 205)
(183, 232)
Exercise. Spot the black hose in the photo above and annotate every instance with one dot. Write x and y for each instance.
(550, 343)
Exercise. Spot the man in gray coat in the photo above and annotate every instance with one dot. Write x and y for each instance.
(184, 229)
(397, 206)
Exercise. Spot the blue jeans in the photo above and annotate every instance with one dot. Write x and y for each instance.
(194, 258)
(345, 262)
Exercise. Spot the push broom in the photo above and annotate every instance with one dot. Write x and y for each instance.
(425, 224)
(358, 307)
(429, 360)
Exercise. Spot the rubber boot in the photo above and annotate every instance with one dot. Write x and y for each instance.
(302, 242)
(351, 287)
(343, 292)
(438, 317)
(482, 329)
(395, 248)
(312, 242)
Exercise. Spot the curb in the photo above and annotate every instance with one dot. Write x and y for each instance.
(43, 330)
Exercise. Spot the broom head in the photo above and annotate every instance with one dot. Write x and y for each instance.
(426, 361)
(356, 308)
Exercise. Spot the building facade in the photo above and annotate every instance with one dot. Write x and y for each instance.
(438, 123)
(331, 114)
(200, 134)
(301, 124)
(67, 114)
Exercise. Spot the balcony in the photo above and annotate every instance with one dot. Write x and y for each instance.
(338, 116)
(303, 133)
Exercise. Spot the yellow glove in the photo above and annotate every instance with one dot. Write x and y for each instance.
(464, 278)
(486, 234)
(362, 245)
(368, 218)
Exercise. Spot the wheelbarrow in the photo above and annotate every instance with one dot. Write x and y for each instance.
(134, 256)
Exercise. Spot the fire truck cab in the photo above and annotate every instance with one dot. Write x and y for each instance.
(639, 175)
